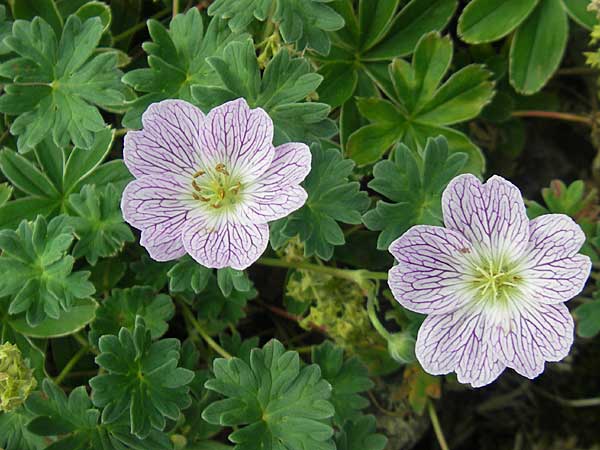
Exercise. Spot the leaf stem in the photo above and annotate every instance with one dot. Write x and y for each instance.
(175, 7)
(134, 29)
(70, 364)
(439, 434)
(357, 276)
(202, 332)
(373, 316)
(555, 115)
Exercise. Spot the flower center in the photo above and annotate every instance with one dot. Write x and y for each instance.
(216, 187)
(497, 283)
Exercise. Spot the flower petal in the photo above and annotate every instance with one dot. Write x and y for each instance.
(429, 274)
(553, 266)
(491, 215)
(238, 137)
(456, 342)
(168, 142)
(291, 164)
(538, 334)
(224, 244)
(158, 207)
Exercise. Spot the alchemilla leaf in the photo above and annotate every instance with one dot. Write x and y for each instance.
(38, 271)
(142, 380)
(59, 82)
(282, 404)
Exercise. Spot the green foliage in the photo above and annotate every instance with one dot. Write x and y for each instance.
(303, 22)
(332, 198)
(37, 270)
(177, 61)
(415, 184)
(98, 223)
(420, 108)
(376, 32)
(124, 305)
(58, 83)
(360, 434)
(588, 315)
(44, 186)
(539, 41)
(283, 404)
(285, 82)
(348, 378)
(77, 423)
(142, 380)
(14, 434)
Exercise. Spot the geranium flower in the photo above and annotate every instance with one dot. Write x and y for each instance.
(209, 185)
(492, 283)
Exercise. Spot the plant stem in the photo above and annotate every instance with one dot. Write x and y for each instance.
(175, 7)
(348, 274)
(84, 343)
(121, 132)
(577, 71)
(555, 115)
(374, 319)
(439, 434)
(134, 29)
(198, 327)
(70, 364)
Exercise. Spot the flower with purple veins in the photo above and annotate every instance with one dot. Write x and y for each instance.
(209, 184)
(492, 283)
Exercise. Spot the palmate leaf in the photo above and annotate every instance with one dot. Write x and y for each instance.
(281, 91)
(142, 380)
(37, 270)
(58, 85)
(177, 61)
(415, 185)
(45, 186)
(14, 434)
(360, 434)
(284, 405)
(122, 307)
(420, 108)
(348, 379)
(332, 198)
(376, 31)
(77, 423)
(303, 22)
(98, 223)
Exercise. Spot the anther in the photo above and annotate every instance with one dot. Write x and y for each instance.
(221, 169)
(195, 186)
(198, 174)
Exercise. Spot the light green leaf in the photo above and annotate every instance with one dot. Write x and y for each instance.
(579, 12)
(489, 20)
(538, 47)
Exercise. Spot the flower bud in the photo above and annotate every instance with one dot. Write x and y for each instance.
(16, 378)
(402, 347)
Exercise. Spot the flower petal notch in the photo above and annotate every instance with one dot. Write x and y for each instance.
(208, 185)
(492, 282)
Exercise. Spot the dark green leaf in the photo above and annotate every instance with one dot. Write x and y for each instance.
(360, 434)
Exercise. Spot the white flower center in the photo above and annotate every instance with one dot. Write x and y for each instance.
(497, 281)
(217, 187)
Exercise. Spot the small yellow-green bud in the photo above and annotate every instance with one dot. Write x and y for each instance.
(179, 441)
(16, 378)
(402, 348)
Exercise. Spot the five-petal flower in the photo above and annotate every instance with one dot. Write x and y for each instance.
(492, 283)
(209, 184)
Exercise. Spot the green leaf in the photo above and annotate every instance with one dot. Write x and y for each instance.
(121, 308)
(37, 270)
(332, 198)
(420, 108)
(283, 405)
(29, 9)
(489, 20)
(360, 434)
(98, 223)
(96, 9)
(538, 47)
(285, 84)
(177, 60)
(579, 12)
(58, 85)
(14, 434)
(415, 185)
(588, 319)
(303, 22)
(229, 279)
(142, 379)
(188, 276)
(81, 313)
(77, 422)
(348, 378)
(339, 83)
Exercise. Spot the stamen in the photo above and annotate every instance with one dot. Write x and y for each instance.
(198, 174)
(221, 169)
(195, 186)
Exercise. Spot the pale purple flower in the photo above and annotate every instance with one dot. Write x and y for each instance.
(492, 283)
(209, 184)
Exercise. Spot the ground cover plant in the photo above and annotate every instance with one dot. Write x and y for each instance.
(299, 224)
